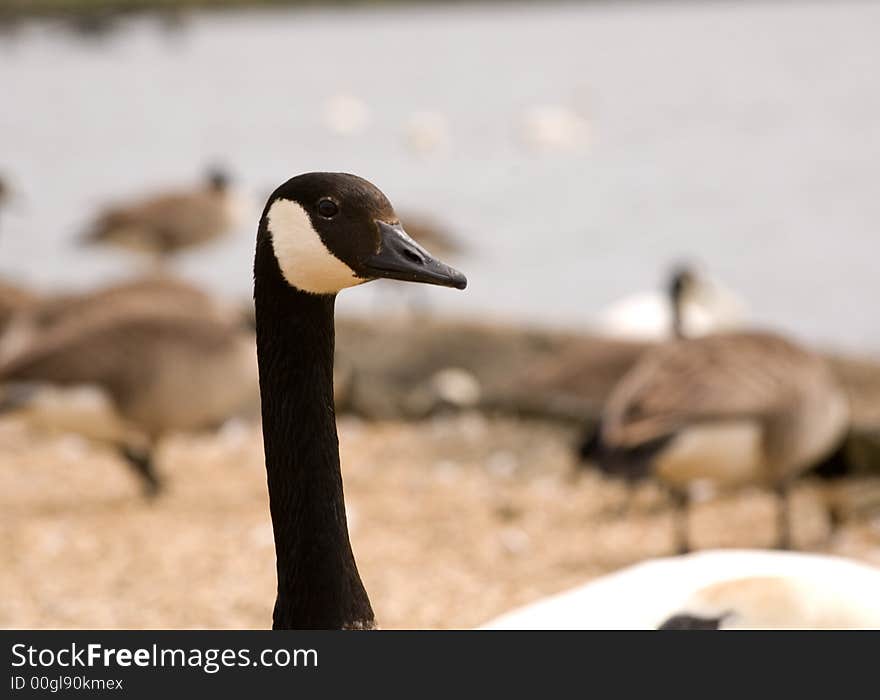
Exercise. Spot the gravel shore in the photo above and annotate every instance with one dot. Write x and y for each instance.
(454, 519)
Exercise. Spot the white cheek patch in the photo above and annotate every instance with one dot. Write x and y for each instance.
(302, 256)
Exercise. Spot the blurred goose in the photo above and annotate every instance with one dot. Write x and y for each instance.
(11, 198)
(165, 357)
(14, 300)
(155, 293)
(723, 589)
(320, 233)
(168, 223)
(432, 233)
(4, 192)
(730, 409)
(693, 305)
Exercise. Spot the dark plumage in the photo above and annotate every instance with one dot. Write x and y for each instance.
(318, 582)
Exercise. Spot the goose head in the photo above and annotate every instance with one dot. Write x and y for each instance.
(217, 179)
(330, 231)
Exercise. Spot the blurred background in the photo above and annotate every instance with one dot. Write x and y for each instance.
(566, 156)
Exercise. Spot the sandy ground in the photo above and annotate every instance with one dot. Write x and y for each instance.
(454, 520)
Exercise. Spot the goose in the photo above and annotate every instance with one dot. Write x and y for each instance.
(168, 223)
(720, 589)
(319, 234)
(155, 292)
(432, 233)
(28, 315)
(10, 197)
(730, 409)
(14, 300)
(164, 357)
(693, 305)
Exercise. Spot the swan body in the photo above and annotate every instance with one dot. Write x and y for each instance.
(717, 589)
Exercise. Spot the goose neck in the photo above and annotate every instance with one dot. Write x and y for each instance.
(318, 581)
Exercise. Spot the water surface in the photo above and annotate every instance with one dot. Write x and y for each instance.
(746, 136)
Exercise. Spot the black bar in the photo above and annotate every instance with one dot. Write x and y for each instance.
(327, 664)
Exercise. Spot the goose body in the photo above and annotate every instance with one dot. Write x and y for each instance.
(156, 293)
(715, 590)
(726, 410)
(14, 300)
(732, 408)
(168, 223)
(692, 305)
(166, 358)
(5, 192)
(432, 233)
(319, 233)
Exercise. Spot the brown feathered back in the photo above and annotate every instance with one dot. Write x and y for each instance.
(790, 393)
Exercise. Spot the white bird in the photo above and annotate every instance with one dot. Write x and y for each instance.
(427, 133)
(554, 128)
(346, 114)
(692, 305)
(715, 590)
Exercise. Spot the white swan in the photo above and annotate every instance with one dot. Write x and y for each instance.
(697, 304)
(715, 590)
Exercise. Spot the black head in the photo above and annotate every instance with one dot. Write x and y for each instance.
(330, 231)
(686, 621)
(218, 179)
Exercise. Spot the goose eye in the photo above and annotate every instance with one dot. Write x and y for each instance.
(327, 208)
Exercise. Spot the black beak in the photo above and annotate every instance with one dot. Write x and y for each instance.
(401, 258)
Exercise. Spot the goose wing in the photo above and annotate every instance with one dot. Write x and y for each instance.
(122, 352)
(726, 376)
(166, 221)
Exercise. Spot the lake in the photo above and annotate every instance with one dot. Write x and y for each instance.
(742, 136)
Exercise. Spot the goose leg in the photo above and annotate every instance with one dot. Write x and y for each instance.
(783, 518)
(141, 461)
(680, 520)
